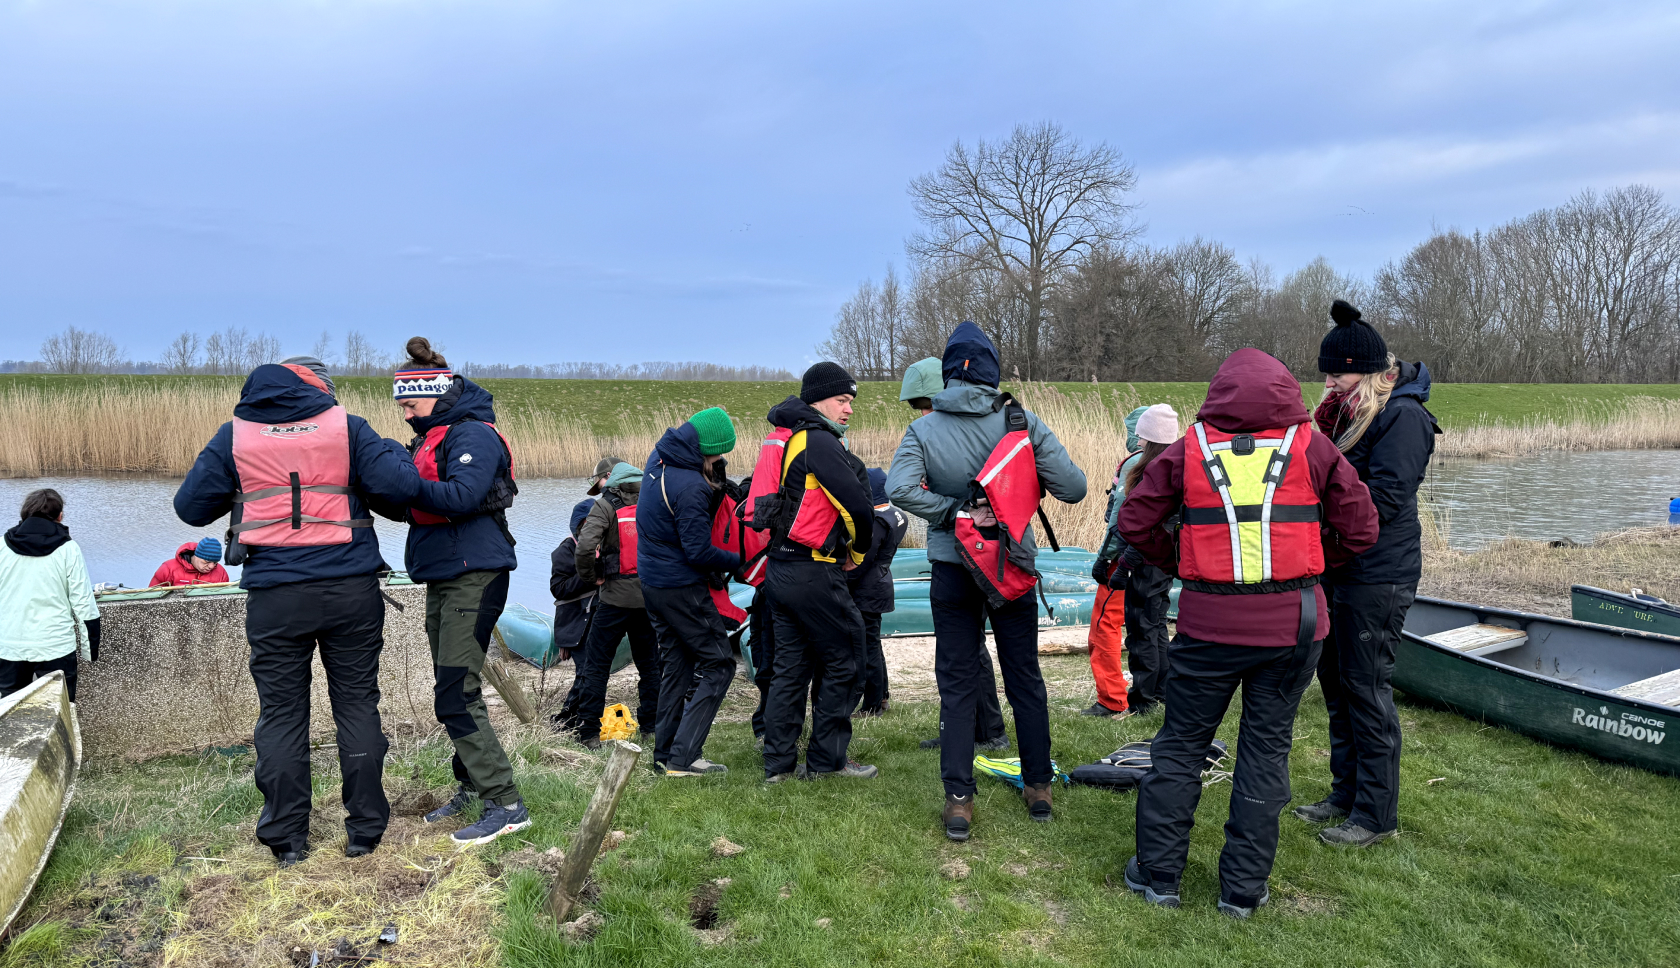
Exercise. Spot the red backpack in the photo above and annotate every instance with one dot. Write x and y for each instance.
(998, 558)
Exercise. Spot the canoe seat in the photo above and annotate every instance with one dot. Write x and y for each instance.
(1480, 639)
(1664, 690)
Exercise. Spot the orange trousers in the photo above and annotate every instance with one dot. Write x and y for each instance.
(1108, 627)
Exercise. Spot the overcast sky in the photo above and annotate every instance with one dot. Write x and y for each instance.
(543, 182)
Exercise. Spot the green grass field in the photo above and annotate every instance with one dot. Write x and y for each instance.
(1511, 854)
(604, 404)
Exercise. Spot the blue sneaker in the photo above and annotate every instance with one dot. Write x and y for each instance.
(496, 821)
(456, 805)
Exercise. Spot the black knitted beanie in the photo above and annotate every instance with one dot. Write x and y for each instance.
(826, 380)
(1352, 346)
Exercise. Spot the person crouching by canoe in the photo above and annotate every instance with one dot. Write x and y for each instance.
(871, 585)
(1136, 601)
(459, 546)
(1373, 408)
(973, 426)
(679, 566)
(299, 475)
(606, 558)
(195, 563)
(1252, 484)
(47, 612)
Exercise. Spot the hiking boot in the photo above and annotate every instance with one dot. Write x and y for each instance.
(495, 821)
(853, 769)
(700, 767)
(958, 815)
(354, 850)
(930, 744)
(290, 858)
(456, 805)
(591, 743)
(1038, 801)
(1159, 895)
(1350, 834)
(1098, 709)
(799, 773)
(998, 742)
(1321, 812)
(1235, 908)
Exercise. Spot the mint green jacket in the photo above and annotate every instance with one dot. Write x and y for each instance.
(46, 600)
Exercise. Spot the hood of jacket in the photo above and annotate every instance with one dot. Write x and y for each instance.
(680, 447)
(465, 400)
(1133, 444)
(37, 537)
(923, 378)
(966, 399)
(580, 510)
(1413, 382)
(187, 550)
(1253, 391)
(970, 356)
(795, 414)
(274, 394)
(877, 486)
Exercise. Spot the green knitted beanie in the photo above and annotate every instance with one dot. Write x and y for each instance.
(716, 430)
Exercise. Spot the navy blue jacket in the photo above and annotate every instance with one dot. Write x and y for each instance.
(674, 539)
(1391, 459)
(871, 583)
(469, 460)
(381, 475)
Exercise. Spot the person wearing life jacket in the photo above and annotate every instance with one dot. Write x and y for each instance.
(1134, 604)
(822, 529)
(871, 585)
(978, 446)
(311, 566)
(682, 572)
(1264, 503)
(195, 563)
(460, 548)
(606, 557)
(1373, 408)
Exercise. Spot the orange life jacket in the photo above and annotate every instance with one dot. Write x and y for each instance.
(998, 557)
(766, 480)
(295, 478)
(727, 534)
(1250, 518)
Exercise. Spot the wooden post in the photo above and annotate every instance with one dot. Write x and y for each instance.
(592, 829)
(507, 687)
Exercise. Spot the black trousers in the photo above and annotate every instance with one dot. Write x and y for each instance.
(1355, 673)
(345, 617)
(963, 671)
(1204, 677)
(819, 635)
(14, 675)
(872, 684)
(1147, 602)
(694, 654)
(612, 623)
(762, 630)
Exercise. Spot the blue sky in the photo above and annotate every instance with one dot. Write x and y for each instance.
(539, 182)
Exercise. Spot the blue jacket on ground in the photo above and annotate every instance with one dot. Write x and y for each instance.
(381, 476)
(674, 516)
(469, 460)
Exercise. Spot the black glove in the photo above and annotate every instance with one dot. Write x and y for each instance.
(1099, 570)
(1119, 576)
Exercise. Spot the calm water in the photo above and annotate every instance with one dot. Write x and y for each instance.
(127, 526)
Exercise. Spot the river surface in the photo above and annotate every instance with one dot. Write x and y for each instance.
(126, 526)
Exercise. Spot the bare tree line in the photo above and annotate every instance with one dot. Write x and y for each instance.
(633, 371)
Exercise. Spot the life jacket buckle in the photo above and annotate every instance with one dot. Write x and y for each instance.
(1242, 445)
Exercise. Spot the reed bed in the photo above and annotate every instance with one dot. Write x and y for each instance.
(1643, 423)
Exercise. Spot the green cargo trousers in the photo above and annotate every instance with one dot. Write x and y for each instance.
(460, 614)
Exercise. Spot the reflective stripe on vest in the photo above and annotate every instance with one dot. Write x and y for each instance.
(1005, 566)
(766, 479)
(1259, 501)
(296, 480)
(817, 513)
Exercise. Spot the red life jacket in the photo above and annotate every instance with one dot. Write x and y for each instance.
(727, 534)
(766, 479)
(296, 481)
(426, 462)
(626, 517)
(1250, 518)
(998, 558)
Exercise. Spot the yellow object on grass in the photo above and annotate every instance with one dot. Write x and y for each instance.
(1009, 771)
(617, 723)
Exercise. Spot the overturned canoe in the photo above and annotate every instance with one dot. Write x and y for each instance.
(1610, 692)
(530, 636)
(1643, 613)
(40, 752)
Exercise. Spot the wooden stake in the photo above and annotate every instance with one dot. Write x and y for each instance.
(592, 829)
(506, 685)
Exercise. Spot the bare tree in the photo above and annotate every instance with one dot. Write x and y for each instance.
(80, 351)
(322, 350)
(1027, 208)
(360, 356)
(181, 356)
(869, 331)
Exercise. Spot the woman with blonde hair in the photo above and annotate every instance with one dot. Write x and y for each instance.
(1373, 409)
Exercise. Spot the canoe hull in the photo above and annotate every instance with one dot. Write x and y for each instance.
(1543, 707)
(1589, 604)
(40, 754)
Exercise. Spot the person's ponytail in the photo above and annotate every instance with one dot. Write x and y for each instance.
(422, 356)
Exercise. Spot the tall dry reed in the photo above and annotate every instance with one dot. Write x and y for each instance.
(1645, 423)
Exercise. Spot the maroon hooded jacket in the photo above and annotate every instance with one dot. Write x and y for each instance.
(1252, 391)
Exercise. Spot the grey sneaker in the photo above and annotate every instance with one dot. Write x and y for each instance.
(1232, 909)
(700, 767)
(799, 773)
(456, 805)
(1321, 812)
(853, 769)
(496, 821)
(1350, 834)
(1137, 883)
(998, 742)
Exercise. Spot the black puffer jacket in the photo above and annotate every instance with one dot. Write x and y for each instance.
(1391, 459)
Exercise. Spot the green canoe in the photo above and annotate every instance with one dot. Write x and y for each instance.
(1644, 613)
(1611, 692)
